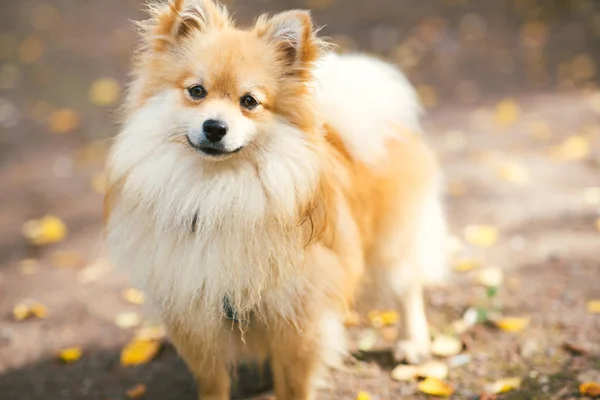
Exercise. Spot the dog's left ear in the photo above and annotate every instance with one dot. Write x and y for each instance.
(293, 36)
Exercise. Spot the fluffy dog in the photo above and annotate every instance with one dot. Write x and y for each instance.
(258, 181)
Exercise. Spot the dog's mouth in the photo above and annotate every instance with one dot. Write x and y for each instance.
(213, 150)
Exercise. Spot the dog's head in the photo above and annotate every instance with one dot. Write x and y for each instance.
(218, 89)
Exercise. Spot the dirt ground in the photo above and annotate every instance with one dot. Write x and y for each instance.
(512, 108)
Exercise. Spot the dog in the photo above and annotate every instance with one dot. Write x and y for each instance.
(258, 181)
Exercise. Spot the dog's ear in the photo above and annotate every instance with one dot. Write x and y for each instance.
(178, 19)
(292, 34)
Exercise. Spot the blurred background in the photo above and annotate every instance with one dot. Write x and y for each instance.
(513, 109)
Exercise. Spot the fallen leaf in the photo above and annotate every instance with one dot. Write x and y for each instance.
(380, 319)
(363, 396)
(20, 312)
(38, 310)
(64, 120)
(404, 372)
(590, 389)
(593, 306)
(49, 229)
(29, 266)
(435, 387)
(507, 112)
(136, 391)
(466, 264)
(67, 259)
(29, 309)
(70, 355)
(575, 148)
(134, 296)
(491, 277)
(512, 324)
(446, 345)
(481, 235)
(104, 92)
(433, 369)
(127, 320)
(504, 385)
(139, 352)
(514, 172)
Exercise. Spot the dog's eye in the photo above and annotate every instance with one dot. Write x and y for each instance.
(249, 102)
(197, 92)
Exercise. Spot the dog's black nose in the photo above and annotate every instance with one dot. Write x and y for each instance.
(214, 130)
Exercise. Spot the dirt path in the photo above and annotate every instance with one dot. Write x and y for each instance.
(500, 172)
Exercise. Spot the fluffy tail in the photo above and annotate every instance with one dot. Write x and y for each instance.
(365, 100)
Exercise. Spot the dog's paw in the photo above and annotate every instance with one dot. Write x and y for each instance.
(414, 352)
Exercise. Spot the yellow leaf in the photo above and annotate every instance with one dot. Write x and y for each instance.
(574, 148)
(70, 355)
(39, 310)
(20, 312)
(49, 229)
(29, 266)
(481, 235)
(514, 172)
(363, 396)
(505, 385)
(590, 389)
(512, 324)
(139, 352)
(136, 391)
(466, 264)
(445, 345)
(127, 320)
(435, 387)
(379, 319)
(593, 306)
(104, 92)
(507, 113)
(29, 309)
(433, 369)
(134, 296)
(64, 120)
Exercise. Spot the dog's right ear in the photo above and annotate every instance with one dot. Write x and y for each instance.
(178, 19)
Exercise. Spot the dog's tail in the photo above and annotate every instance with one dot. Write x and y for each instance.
(365, 101)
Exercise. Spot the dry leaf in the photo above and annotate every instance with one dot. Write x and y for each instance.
(504, 385)
(512, 324)
(445, 346)
(29, 266)
(20, 312)
(363, 396)
(433, 369)
(139, 352)
(481, 235)
(593, 306)
(404, 373)
(64, 120)
(507, 113)
(136, 391)
(134, 296)
(29, 309)
(435, 387)
(379, 319)
(49, 229)
(104, 92)
(514, 172)
(70, 355)
(490, 277)
(127, 320)
(590, 389)
(466, 264)
(574, 148)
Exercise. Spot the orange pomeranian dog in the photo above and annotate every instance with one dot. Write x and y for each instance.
(259, 182)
